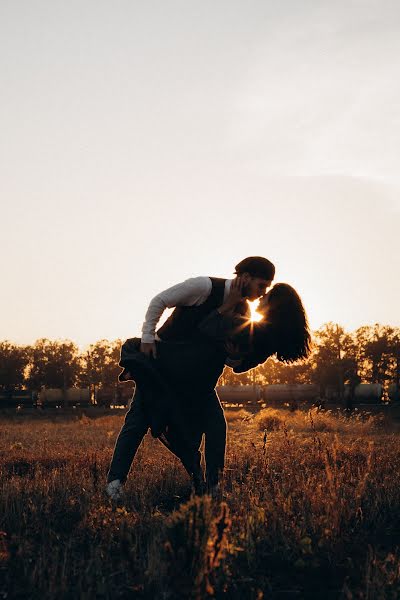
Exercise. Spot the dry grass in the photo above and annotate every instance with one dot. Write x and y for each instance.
(315, 420)
(311, 509)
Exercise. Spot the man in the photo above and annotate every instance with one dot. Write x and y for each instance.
(193, 300)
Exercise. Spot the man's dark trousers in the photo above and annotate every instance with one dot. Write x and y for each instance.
(212, 424)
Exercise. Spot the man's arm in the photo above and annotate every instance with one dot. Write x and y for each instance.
(192, 292)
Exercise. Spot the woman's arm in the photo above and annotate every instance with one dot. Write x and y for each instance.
(217, 326)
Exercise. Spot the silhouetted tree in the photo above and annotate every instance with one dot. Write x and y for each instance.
(371, 354)
(53, 364)
(13, 361)
(271, 372)
(375, 350)
(100, 365)
(333, 359)
(395, 350)
(276, 372)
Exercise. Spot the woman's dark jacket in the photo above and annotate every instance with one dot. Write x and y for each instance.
(176, 385)
(175, 388)
(182, 371)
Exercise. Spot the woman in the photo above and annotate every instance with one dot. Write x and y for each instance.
(283, 330)
(181, 403)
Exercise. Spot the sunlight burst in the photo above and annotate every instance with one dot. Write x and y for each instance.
(255, 316)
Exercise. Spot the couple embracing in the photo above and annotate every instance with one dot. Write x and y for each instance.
(176, 369)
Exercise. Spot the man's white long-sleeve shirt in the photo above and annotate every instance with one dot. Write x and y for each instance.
(192, 292)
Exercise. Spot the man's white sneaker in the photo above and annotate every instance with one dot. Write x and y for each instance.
(114, 489)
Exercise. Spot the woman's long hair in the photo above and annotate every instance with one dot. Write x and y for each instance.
(285, 314)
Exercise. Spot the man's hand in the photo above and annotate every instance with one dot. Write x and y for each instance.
(149, 349)
(234, 297)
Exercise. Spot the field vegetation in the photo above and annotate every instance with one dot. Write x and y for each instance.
(310, 508)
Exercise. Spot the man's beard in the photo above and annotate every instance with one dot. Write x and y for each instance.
(245, 290)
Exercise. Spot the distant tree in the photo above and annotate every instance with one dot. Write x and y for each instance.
(228, 377)
(13, 361)
(100, 364)
(395, 351)
(53, 364)
(370, 354)
(376, 350)
(270, 372)
(276, 372)
(333, 360)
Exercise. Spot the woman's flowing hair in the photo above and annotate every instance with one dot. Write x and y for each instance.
(286, 314)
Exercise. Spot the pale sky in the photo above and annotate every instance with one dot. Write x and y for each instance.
(144, 143)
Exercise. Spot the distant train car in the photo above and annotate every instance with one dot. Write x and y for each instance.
(18, 398)
(269, 395)
(294, 395)
(394, 392)
(104, 396)
(239, 394)
(55, 397)
(367, 393)
(280, 394)
(119, 395)
(364, 393)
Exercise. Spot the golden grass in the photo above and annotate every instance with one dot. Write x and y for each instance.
(310, 509)
(315, 420)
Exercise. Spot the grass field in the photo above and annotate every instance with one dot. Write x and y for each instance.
(310, 509)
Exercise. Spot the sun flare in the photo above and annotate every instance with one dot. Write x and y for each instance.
(255, 316)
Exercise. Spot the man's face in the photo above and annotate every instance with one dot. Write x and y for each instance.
(255, 287)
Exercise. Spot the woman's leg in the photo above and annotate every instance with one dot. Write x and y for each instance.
(133, 431)
(215, 438)
(192, 465)
(183, 439)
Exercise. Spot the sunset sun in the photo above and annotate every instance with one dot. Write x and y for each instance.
(255, 316)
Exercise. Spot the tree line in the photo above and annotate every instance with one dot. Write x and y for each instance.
(58, 364)
(370, 354)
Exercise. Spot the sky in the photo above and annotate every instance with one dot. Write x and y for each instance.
(145, 143)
